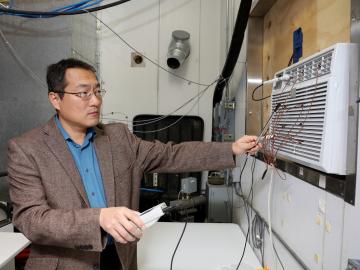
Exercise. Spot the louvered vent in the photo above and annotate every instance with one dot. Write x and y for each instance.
(316, 119)
(299, 122)
(311, 69)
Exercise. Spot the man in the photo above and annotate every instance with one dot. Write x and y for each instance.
(74, 183)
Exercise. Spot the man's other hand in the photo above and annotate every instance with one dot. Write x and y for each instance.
(246, 144)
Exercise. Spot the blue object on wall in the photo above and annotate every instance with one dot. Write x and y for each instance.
(297, 44)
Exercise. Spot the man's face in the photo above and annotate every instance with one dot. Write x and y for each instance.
(75, 112)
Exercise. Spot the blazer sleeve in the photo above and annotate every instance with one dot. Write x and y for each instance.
(184, 157)
(69, 228)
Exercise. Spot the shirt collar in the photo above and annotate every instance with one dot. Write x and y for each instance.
(90, 133)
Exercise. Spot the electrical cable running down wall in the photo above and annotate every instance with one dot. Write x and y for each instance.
(234, 50)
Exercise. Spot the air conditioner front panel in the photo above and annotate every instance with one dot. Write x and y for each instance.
(299, 122)
(310, 126)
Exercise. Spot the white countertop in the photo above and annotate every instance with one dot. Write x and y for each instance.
(10, 245)
(210, 246)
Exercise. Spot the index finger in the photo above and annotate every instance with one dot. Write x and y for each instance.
(251, 138)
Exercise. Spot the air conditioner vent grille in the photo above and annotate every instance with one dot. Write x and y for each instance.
(316, 67)
(298, 124)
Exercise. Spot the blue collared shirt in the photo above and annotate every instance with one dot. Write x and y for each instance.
(87, 165)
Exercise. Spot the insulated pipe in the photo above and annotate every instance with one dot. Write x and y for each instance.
(234, 50)
(188, 203)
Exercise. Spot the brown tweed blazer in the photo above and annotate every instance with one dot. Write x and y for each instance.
(50, 204)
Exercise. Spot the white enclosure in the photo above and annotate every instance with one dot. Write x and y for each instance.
(315, 120)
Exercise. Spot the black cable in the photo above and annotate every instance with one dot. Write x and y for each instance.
(265, 128)
(257, 87)
(262, 252)
(246, 239)
(10, 11)
(283, 243)
(264, 173)
(258, 228)
(246, 205)
(270, 117)
(290, 60)
(246, 208)
(247, 233)
(277, 255)
(172, 258)
(234, 49)
(251, 193)
(260, 243)
(251, 189)
(253, 93)
(2, 174)
(241, 195)
(239, 183)
(253, 234)
(258, 231)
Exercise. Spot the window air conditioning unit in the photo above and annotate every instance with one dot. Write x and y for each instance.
(315, 124)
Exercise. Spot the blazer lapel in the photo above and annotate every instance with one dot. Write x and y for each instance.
(58, 147)
(105, 159)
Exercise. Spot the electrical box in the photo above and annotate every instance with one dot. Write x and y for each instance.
(353, 264)
(219, 203)
(315, 124)
(188, 185)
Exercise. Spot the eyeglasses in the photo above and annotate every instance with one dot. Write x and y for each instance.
(85, 95)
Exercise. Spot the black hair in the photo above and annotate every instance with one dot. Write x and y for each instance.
(55, 76)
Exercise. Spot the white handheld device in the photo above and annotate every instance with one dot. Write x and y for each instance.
(152, 215)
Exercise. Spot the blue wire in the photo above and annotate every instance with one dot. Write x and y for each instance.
(70, 7)
(151, 190)
(65, 8)
(73, 7)
(89, 5)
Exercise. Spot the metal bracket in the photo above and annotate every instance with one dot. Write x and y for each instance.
(228, 137)
(229, 105)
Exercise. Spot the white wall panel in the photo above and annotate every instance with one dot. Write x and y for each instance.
(333, 232)
(131, 90)
(298, 217)
(351, 236)
(299, 212)
(148, 25)
(210, 48)
(179, 15)
(307, 218)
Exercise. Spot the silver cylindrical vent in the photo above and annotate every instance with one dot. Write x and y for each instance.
(179, 49)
